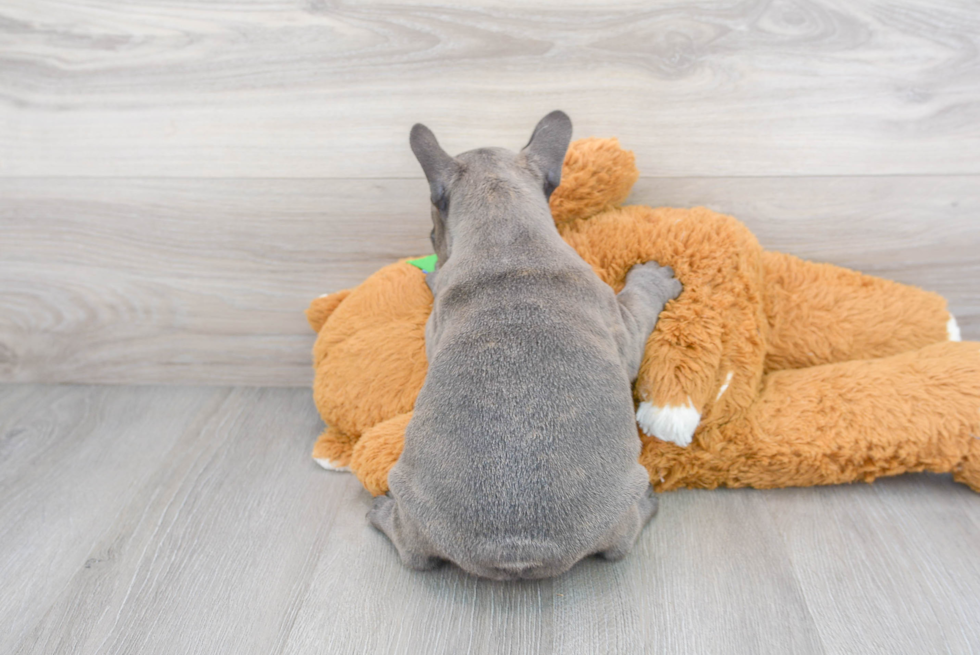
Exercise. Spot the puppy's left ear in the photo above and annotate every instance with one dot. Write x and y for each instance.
(438, 166)
(547, 147)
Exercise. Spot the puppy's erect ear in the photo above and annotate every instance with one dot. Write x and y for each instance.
(547, 147)
(438, 166)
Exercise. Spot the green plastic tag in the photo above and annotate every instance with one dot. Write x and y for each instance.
(427, 264)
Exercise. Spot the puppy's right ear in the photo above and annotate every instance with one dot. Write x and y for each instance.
(438, 166)
(548, 146)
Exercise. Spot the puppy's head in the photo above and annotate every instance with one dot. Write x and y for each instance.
(476, 181)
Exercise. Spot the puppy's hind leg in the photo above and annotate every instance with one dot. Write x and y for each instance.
(623, 536)
(412, 547)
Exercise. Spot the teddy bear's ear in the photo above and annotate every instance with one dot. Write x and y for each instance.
(598, 174)
(321, 308)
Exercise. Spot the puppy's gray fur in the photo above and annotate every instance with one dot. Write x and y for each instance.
(521, 457)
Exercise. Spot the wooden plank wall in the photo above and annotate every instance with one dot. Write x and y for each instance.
(178, 179)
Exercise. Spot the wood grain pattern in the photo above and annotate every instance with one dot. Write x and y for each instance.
(71, 458)
(313, 89)
(212, 549)
(710, 566)
(184, 280)
(361, 600)
(205, 281)
(191, 520)
(178, 179)
(907, 569)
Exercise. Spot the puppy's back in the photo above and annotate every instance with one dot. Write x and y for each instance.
(523, 445)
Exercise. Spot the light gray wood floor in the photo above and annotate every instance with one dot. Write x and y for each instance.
(191, 520)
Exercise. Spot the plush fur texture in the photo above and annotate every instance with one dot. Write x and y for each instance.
(835, 376)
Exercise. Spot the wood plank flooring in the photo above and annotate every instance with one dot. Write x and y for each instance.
(191, 520)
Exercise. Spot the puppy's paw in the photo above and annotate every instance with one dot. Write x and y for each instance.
(380, 514)
(660, 277)
(411, 548)
(674, 423)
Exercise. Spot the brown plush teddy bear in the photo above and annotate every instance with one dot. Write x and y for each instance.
(767, 371)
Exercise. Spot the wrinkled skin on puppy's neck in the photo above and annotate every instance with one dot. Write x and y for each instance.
(494, 205)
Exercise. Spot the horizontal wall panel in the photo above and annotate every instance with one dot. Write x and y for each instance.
(176, 88)
(205, 281)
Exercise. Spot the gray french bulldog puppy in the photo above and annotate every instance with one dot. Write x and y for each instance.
(521, 456)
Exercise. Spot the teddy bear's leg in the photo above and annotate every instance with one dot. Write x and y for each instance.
(820, 314)
(968, 471)
(868, 418)
(321, 308)
(412, 547)
(838, 423)
(858, 420)
(377, 451)
(333, 450)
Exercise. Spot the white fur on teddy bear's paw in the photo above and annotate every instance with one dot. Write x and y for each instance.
(330, 466)
(953, 329)
(675, 423)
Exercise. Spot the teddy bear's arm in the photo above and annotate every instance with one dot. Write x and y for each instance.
(679, 374)
(689, 356)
